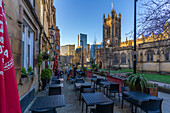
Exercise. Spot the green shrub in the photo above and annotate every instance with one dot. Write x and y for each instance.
(23, 71)
(46, 74)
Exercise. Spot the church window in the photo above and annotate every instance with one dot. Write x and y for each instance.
(123, 58)
(167, 54)
(115, 59)
(147, 57)
(150, 54)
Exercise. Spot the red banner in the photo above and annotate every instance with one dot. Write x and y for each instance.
(55, 63)
(9, 98)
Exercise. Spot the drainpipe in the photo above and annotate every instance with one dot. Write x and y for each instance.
(39, 67)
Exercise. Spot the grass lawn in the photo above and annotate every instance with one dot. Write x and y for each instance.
(157, 77)
(149, 76)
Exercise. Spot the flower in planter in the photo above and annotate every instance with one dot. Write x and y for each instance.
(45, 55)
(30, 71)
(23, 73)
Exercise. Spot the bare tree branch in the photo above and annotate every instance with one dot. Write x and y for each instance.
(153, 18)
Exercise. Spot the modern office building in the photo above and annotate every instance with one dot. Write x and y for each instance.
(82, 40)
(94, 48)
(67, 50)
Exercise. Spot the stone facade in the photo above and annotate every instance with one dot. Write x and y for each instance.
(153, 52)
(28, 22)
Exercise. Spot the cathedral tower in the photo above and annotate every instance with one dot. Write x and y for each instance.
(112, 30)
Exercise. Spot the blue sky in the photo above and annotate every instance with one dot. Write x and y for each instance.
(85, 16)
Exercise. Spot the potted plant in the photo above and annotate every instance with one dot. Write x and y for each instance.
(45, 55)
(30, 72)
(153, 89)
(23, 73)
(137, 82)
(45, 77)
(24, 77)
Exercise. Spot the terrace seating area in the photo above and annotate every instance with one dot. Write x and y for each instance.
(85, 95)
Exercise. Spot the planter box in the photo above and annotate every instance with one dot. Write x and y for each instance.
(23, 80)
(153, 91)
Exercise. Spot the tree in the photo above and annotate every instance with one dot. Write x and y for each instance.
(153, 18)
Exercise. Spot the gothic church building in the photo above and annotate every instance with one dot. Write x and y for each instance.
(153, 52)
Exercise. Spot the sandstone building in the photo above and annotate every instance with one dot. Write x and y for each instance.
(153, 52)
(28, 23)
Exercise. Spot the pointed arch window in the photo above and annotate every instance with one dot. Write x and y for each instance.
(167, 55)
(123, 58)
(115, 59)
(150, 56)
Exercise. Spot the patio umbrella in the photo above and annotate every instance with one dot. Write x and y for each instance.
(9, 98)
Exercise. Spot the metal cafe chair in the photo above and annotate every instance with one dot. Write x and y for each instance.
(88, 90)
(114, 88)
(54, 91)
(152, 106)
(128, 99)
(103, 108)
(81, 91)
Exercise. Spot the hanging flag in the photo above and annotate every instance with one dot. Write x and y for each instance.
(55, 63)
(9, 98)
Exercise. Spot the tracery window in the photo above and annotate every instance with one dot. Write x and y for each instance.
(123, 58)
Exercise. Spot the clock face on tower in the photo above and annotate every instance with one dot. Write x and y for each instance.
(108, 42)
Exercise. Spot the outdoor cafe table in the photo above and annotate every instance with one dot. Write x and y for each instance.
(106, 84)
(92, 99)
(56, 78)
(53, 85)
(139, 96)
(78, 85)
(47, 102)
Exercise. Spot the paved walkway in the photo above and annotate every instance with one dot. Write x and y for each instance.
(72, 105)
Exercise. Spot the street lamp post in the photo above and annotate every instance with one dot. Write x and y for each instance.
(134, 66)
